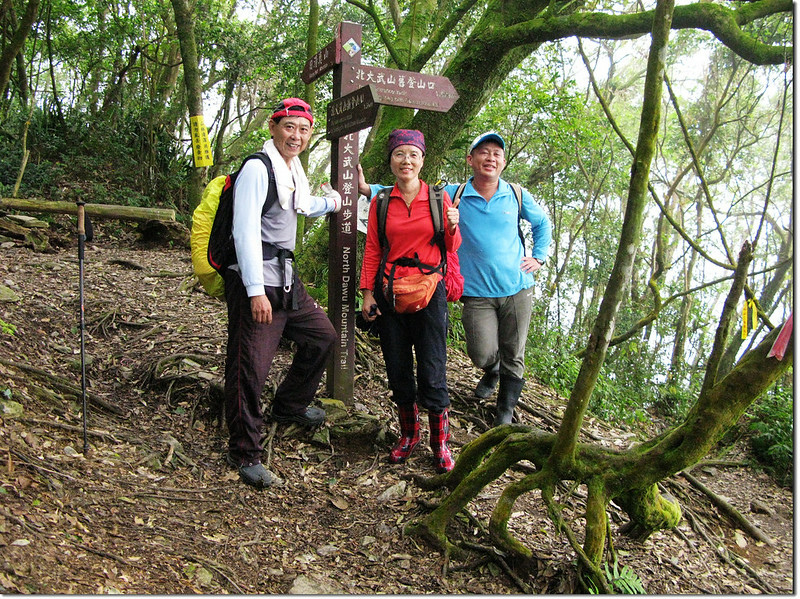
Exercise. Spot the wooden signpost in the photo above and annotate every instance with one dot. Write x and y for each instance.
(358, 90)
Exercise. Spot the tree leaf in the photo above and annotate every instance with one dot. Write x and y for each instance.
(739, 538)
(339, 502)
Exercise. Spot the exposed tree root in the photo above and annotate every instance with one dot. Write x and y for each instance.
(37, 466)
(72, 428)
(722, 464)
(66, 386)
(268, 444)
(730, 511)
(498, 523)
(725, 555)
(649, 511)
(594, 571)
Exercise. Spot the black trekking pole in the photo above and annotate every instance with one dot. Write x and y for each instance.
(81, 241)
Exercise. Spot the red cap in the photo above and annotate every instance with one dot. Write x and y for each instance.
(293, 107)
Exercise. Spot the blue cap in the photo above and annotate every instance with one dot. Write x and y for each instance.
(488, 136)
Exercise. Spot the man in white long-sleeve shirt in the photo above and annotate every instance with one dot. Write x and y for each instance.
(266, 301)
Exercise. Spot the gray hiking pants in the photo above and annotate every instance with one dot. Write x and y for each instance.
(496, 328)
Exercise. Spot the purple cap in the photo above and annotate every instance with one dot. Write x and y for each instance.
(406, 137)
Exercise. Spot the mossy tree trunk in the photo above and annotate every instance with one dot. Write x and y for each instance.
(16, 41)
(628, 243)
(312, 38)
(193, 82)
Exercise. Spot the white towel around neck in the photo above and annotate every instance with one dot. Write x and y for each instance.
(292, 182)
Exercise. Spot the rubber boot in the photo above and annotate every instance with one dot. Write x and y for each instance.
(507, 398)
(440, 434)
(488, 381)
(409, 434)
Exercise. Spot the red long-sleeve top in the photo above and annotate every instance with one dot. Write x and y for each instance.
(408, 230)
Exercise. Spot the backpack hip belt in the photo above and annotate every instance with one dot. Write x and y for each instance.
(270, 251)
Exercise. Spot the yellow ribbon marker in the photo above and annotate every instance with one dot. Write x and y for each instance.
(201, 146)
(751, 305)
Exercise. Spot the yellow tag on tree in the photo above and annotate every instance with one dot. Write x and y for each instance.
(201, 146)
(751, 305)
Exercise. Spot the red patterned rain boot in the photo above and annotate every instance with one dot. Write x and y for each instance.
(409, 434)
(440, 433)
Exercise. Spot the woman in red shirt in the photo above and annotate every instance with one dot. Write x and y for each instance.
(409, 230)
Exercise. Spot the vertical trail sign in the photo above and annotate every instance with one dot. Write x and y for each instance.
(358, 90)
(343, 270)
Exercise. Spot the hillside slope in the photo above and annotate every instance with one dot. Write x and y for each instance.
(154, 509)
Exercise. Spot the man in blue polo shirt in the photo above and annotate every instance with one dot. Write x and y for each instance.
(498, 276)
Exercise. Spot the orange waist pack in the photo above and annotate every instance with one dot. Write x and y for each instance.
(412, 293)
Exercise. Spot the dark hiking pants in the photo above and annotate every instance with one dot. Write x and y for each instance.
(250, 351)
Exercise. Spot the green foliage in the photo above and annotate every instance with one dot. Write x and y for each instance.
(616, 397)
(126, 164)
(549, 358)
(673, 401)
(625, 580)
(625, 388)
(455, 327)
(7, 328)
(614, 400)
(772, 427)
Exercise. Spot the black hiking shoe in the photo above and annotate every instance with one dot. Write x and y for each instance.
(488, 381)
(255, 474)
(310, 417)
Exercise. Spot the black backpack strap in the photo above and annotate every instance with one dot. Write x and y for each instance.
(517, 189)
(270, 250)
(436, 201)
(381, 208)
(221, 248)
(272, 192)
(269, 201)
(459, 193)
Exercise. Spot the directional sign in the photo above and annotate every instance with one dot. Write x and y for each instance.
(405, 88)
(322, 62)
(353, 112)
